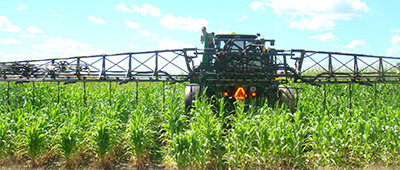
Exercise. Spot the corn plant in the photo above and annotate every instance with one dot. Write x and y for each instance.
(103, 140)
(173, 115)
(141, 135)
(207, 125)
(68, 141)
(297, 141)
(3, 137)
(35, 140)
(185, 149)
(241, 138)
(323, 132)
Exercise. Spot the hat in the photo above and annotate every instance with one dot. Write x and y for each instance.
(203, 28)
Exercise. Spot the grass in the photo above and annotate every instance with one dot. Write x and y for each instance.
(112, 127)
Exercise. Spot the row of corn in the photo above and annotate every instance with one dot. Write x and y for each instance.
(105, 124)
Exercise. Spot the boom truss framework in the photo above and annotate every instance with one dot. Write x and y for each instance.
(336, 67)
(122, 67)
(314, 67)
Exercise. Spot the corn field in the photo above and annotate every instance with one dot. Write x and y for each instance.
(105, 125)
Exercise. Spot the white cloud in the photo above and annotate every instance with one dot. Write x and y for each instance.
(10, 40)
(241, 19)
(40, 54)
(1, 53)
(395, 49)
(25, 50)
(123, 8)
(277, 25)
(147, 8)
(21, 7)
(96, 20)
(223, 32)
(180, 23)
(148, 33)
(396, 30)
(33, 29)
(5, 25)
(65, 46)
(316, 14)
(13, 57)
(99, 51)
(257, 5)
(27, 35)
(325, 37)
(316, 23)
(57, 15)
(357, 44)
(338, 8)
(166, 43)
(132, 46)
(132, 24)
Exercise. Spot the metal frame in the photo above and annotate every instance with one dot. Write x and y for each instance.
(122, 67)
(313, 67)
(335, 67)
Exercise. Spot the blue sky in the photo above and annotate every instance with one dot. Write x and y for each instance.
(50, 29)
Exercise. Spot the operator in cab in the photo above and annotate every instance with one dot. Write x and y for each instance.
(208, 40)
(207, 37)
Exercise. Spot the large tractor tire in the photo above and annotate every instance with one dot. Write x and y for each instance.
(191, 92)
(286, 96)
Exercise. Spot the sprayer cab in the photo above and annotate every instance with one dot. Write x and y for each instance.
(240, 67)
(239, 41)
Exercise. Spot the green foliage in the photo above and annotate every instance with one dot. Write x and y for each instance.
(103, 139)
(201, 145)
(35, 139)
(141, 135)
(68, 139)
(172, 115)
(3, 137)
(185, 149)
(324, 131)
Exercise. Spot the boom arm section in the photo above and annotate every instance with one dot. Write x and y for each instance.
(251, 64)
(162, 65)
(317, 67)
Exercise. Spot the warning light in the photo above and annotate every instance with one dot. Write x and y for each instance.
(240, 93)
(226, 94)
(253, 94)
(277, 78)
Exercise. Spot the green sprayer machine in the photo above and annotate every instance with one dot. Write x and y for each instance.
(237, 67)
